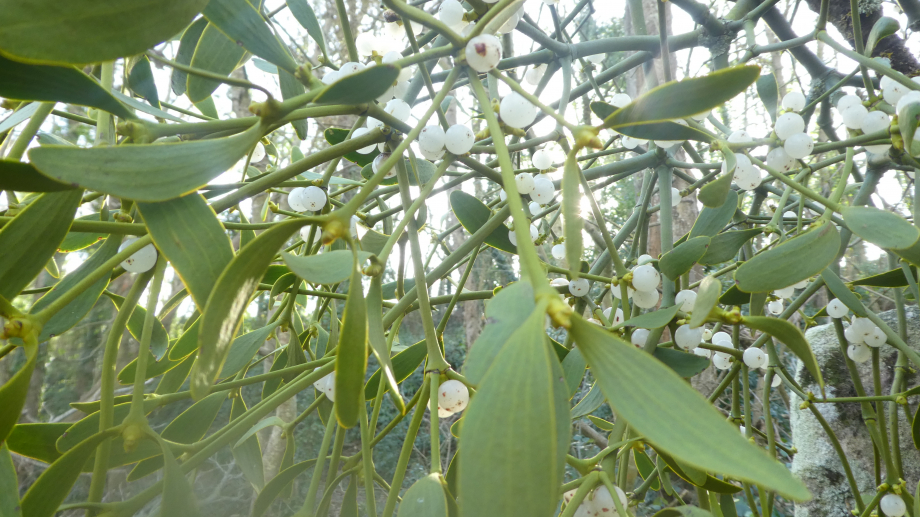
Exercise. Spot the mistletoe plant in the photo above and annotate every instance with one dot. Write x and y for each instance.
(767, 237)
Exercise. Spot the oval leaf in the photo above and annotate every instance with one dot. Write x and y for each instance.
(364, 86)
(516, 430)
(707, 297)
(791, 262)
(81, 33)
(673, 416)
(792, 337)
(843, 293)
(681, 259)
(351, 354)
(425, 498)
(187, 232)
(725, 246)
(712, 219)
(880, 227)
(241, 22)
(13, 392)
(472, 214)
(327, 268)
(145, 172)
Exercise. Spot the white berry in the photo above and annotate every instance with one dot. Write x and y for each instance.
(859, 352)
(794, 101)
(399, 109)
(789, 124)
(780, 160)
(431, 138)
(646, 278)
(453, 396)
(910, 97)
(703, 352)
(543, 190)
(602, 503)
(785, 292)
(644, 259)
(639, 337)
(688, 338)
(646, 299)
(740, 137)
(754, 357)
(483, 52)
(775, 306)
(707, 334)
(443, 413)
(558, 251)
(799, 146)
(777, 380)
(854, 115)
(617, 318)
(517, 111)
(524, 182)
(578, 287)
(142, 260)
(722, 361)
(620, 99)
(314, 198)
(258, 153)
(451, 12)
(542, 160)
(722, 339)
(535, 74)
(359, 132)
(686, 299)
(295, 199)
(876, 338)
(836, 309)
(327, 386)
(459, 139)
(893, 505)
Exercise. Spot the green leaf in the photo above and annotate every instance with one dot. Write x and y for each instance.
(187, 342)
(23, 113)
(908, 119)
(712, 219)
(425, 498)
(244, 348)
(24, 255)
(646, 467)
(304, 14)
(54, 484)
(880, 227)
(573, 223)
(589, 403)
(652, 320)
(248, 454)
(335, 135)
(326, 268)
(9, 485)
(141, 82)
(37, 441)
(186, 230)
(472, 214)
(883, 28)
(89, 32)
(216, 53)
(733, 296)
(187, 45)
(673, 416)
(73, 312)
(707, 298)
(892, 278)
(516, 430)
(727, 505)
(792, 337)
(242, 23)
(684, 364)
(573, 369)
(601, 424)
(13, 392)
(725, 246)
(404, 364)
(681, 99)
(159, 340)
(843, 293)
(351, 354)
(364, 86)
(291, 87)
(278, 483)
(22, 177)
(55, 84)
(89, 425)
(683, 511)
(505, 313)
(681, 259)
(768, 91)
(145, 172)
(189, 427)
(715, 193)
(378, 341)
(373, 242)
(350, 499)
(178, 495)
(790, 262)
(228, 302)
(663, 131)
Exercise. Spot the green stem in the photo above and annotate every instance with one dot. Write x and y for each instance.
(18, 149)
(143, 350)
(408, 445)
(107, 386)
